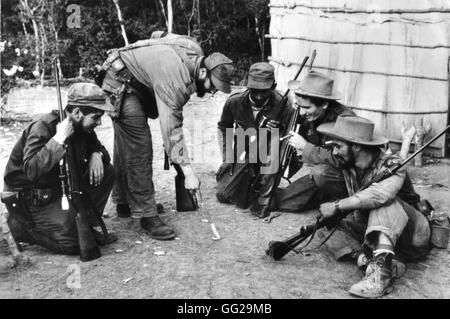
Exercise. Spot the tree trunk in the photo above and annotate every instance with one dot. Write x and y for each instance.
(122, 25)
(55, 32)
(191, 17)
(25, 31)
(43, 49)
(169, 16)
(198, 13)
(261, 44)
(27, 11)
(164, 12)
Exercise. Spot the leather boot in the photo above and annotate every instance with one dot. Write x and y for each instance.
(101, 240)
(156, 229)
(123, 210)
(378, 278)
(258, 210)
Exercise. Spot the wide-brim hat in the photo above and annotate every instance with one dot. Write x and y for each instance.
(353, 129)
(261, 76)
(88, 94)
(315, 84)
(221, 69)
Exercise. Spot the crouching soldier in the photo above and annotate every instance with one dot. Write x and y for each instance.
(385, 220)
(32, 174)
(243, 181)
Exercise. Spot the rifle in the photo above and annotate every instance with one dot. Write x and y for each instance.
(278, 249)
(287, 151)
(71, 184)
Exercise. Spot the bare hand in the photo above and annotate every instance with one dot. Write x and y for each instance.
(273, 124)
(327, 209)
(63, 131)
(297, 141)
(191, 182)
(96, 171)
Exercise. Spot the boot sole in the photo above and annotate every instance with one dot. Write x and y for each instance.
(388, 290)
(166, 237)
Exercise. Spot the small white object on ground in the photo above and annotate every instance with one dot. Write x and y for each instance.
(138, 242)
(119, 250)
(205, 221)
(216, 233)
(127, 280)
(160, 253)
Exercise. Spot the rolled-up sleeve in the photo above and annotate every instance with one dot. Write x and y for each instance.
(378, 194)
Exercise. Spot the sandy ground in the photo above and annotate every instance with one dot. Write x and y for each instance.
(196, 266)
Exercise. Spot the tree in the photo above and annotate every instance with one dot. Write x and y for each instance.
(122, 27)
(260, 11)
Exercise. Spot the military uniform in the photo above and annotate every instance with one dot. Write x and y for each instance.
(240, 112)
(155, 78)
(324, 182)
(33, 171)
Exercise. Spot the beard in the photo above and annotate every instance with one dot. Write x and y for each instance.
(347, 162)
(200, 88)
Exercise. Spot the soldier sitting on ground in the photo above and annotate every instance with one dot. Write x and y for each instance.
(386, 219)
(317, 99)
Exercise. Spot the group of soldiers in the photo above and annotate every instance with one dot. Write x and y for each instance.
(155, 78)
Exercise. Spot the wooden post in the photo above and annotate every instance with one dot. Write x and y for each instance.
(18, 258)
(407, 137)
(421, 132)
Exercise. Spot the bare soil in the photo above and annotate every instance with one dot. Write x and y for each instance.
(196, 266)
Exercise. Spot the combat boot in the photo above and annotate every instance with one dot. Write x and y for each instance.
(378, 278)
(156, 229)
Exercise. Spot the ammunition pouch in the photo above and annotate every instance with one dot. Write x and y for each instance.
(14, 202)
(118, 81)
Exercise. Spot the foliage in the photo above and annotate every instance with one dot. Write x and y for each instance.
(233, 27)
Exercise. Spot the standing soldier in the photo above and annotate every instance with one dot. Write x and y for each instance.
(32, 173)
(155, 78)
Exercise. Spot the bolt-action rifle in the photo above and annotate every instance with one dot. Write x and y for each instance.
(72, 192)
(278, 249)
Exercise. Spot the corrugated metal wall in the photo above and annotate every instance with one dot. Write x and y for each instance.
(389, 58)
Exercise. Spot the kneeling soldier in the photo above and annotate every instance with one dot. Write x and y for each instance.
(244, 181)
(32, 173)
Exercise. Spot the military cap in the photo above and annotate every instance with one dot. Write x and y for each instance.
(221, 69)
(261, 76)
(88, 94)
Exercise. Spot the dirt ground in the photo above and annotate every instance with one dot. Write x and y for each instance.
(196, 266)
